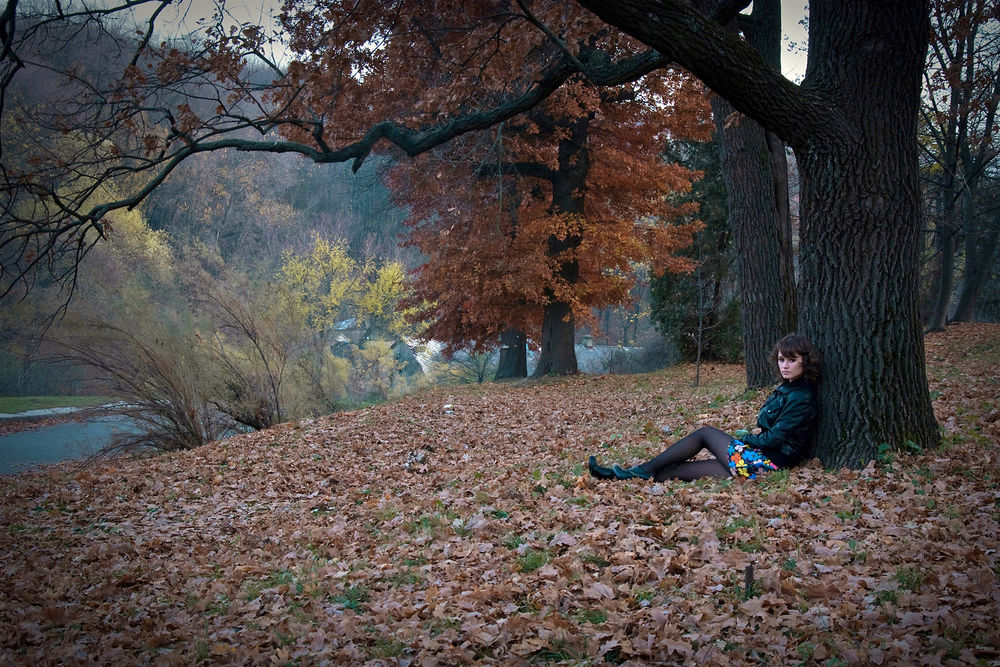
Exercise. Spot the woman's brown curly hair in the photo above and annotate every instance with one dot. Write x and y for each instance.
(796, 345)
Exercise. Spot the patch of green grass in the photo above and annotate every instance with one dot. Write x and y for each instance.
(594, 559)
(564, 482)
(284, 639)
(437, 627)
(386, 514)
(731, 526)
(219, 606)
(910, 578)
(512, 541)
(386, 647)
(15, 404)
(592, 616)
(756, 541)
(352, 597)
(806, 651)
(253, 589)
(405, 577)
(425, 523)
(924, 473)
(643, 595)
(738, 589)
(526, 604)
(559, 651)
(789, 564)
(532, 559)
(778, 481)
(858, 555)
(886, 596)
(202, 651)
(852, 514)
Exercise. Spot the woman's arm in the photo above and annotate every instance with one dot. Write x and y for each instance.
(791, 427)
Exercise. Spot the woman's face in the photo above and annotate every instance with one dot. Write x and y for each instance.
(789, 367)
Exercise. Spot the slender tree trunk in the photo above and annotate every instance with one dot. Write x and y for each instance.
(513, 362)
(979, 253)
(763, 31)
(946, 277)
(946, 231)
(861, 229)
(955, 137)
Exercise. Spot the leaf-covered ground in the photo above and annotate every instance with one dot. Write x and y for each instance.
(458, 525)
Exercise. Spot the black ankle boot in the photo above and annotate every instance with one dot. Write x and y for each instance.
(631, 473)
(600, 472)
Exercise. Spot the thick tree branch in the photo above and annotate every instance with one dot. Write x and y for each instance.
(69, 221)
(727, 64)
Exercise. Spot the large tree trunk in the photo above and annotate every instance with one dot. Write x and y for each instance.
(558, 354)
(852, 125)
(757, 238)
(756, 176)
(513, 362)
(569, 186)
(763, 32)
(860, 230)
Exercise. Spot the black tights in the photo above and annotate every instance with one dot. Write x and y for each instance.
(674, 463)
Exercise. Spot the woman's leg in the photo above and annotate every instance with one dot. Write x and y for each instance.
(706, 437)
(692, 470)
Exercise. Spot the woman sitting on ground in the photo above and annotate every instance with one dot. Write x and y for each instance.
(787, 425)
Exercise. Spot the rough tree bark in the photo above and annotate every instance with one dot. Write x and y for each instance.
(513, 361)
(569, 185)
(756, 176)
(852, 124)
(757, 238)
(861, 224)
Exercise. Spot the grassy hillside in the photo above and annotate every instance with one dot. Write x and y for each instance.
(15, 404)
(458, 525)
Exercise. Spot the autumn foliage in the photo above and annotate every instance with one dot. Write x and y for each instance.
(551, 209)
(558, 207)
(457, 526)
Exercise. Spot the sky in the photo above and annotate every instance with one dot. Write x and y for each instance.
(794, 38)
(185, 15)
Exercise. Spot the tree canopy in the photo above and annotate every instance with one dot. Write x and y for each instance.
(549, 218)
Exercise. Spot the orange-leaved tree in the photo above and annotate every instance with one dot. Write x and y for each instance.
(533, 223)
(531, 227)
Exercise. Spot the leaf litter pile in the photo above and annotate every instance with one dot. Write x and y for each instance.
(458, 525)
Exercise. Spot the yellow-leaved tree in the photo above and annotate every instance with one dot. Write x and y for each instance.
(351, 307)
(332, 290)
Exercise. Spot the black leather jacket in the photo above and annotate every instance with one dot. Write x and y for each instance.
(787, 423)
